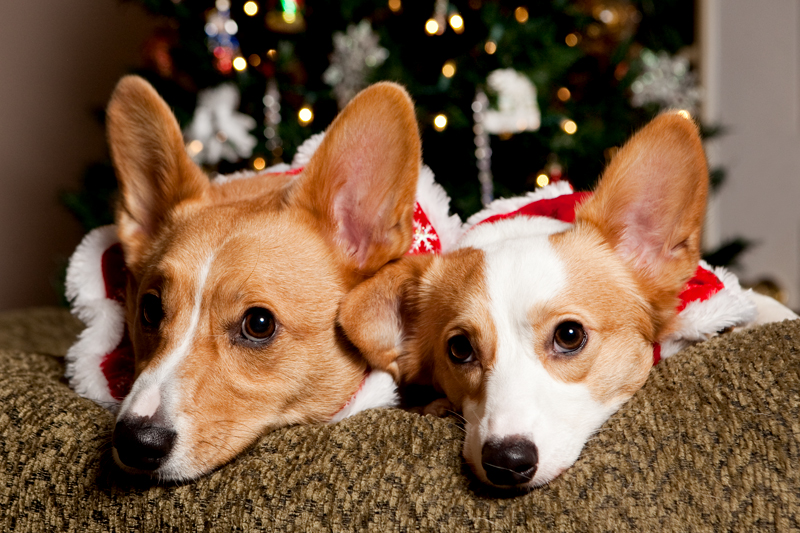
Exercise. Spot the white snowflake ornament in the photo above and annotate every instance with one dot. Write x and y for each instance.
(666, 81)
(425, 238)
(355, 53)
(217, 130)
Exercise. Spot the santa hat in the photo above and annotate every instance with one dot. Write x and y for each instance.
(711, 302)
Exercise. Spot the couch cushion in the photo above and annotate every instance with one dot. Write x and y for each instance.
(712, 442)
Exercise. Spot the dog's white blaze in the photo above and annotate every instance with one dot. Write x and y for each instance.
(146, 396)
(147, 403)
(521, 397)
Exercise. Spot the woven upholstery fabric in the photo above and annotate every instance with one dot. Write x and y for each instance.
(711, 443)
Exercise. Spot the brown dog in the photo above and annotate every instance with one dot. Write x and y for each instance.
(234, 286)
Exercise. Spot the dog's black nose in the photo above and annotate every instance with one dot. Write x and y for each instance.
(510, 461)
(140, 444)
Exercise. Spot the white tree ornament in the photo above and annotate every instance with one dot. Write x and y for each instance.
(666, 81)
(218, 131)
(355, 53)
(517, 109)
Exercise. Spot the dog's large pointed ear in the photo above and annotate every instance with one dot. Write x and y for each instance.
(650, 204)
(379, 315)
(153, 169)
(360, 183)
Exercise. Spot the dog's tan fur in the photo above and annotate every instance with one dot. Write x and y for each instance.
(292, 244)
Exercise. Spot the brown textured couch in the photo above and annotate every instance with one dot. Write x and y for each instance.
(711, 443)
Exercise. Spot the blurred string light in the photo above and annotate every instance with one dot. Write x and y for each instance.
(431, 27)
(449, 69)
(607, 16)
(542, 180)
(286, 17)
(563, 94)
(254, 59)
(685, 114)
(571, 39)
(259, 163)
(305, 115)
(250, 8)
(483, 149)
(395, 5)
(436, 24)
(194, 147)
(239, 63)
(272, 118)
(521, 14)
(490, 47)
(569, 126)
(457, 23)
(440, 122)
(289, 11)
(221, 31)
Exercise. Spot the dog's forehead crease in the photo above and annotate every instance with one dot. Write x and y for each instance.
(269, 267)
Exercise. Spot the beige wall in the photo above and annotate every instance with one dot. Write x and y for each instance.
(59, 61)
(751, 57)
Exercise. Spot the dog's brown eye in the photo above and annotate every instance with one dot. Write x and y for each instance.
(569, 337)
(258, 324)
(151, 309)
(460, 349)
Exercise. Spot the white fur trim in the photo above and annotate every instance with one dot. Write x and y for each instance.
(219, 179)
(85, 281)
(502, 206)
(434, 201)
(307, 149)
(104, 317)
(701, 320)
(378, 390)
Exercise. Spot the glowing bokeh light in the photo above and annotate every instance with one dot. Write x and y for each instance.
(431, 27)
(305, 115)
(239, 63)
(457, 23)
(542, 180)
(571, 39)
(250, 8)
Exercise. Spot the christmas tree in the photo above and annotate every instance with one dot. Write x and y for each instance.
(509, 96)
